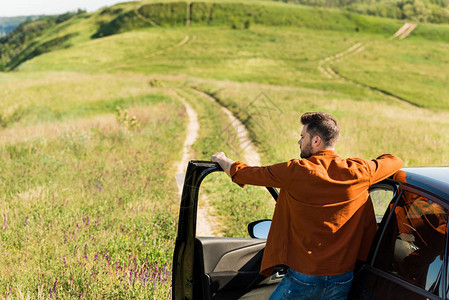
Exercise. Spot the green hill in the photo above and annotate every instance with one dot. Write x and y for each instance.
(22, 42)
(92, 124)
(33, 38)
(164, 21)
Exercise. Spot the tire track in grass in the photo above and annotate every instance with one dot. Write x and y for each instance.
(404, 31)
(324, 64)
(207, 225)
(251, 155)
(186, 40)
(192, 134)
(204, 220)
(325, 67)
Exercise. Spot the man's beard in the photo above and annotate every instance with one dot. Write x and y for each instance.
(306, 151)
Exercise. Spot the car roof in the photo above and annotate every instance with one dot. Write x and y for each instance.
(431, 179)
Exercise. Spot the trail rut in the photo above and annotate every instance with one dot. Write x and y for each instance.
(207, 224)
(325, 65)
(186, 40)
(251, 155)
(205, 221)
(192, 134)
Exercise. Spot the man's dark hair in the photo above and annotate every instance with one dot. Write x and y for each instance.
(323, 125)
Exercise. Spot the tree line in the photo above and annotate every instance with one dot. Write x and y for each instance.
(433, 11)
(21, 38)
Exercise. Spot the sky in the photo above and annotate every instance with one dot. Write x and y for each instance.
(12, 8)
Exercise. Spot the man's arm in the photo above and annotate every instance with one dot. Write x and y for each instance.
(384, 166)
(277, 175)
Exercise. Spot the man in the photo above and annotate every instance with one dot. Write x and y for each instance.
(323, 221)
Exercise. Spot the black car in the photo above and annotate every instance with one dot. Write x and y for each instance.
(408, 258)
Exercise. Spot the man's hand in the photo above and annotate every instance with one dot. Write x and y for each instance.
(224, 162)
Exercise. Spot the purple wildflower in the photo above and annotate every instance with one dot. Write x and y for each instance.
(5, 222)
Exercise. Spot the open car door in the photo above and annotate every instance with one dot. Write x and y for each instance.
(215, 267)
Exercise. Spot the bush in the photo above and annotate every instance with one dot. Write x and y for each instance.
(239, 15)
(439, 16)
(200, 12)
(416, 10)
(173, 14)
(38, 49)
(124, 22)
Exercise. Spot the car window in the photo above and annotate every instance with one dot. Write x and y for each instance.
(225, 209)
(413, 244)
(381, 195)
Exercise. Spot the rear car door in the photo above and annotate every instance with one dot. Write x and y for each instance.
(409, 257)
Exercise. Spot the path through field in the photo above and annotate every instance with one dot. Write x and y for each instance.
(187, 39)
(252, 157)
(207, 224)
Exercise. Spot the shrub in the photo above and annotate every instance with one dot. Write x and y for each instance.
(123, 22)
(173, 14)
(200, 12)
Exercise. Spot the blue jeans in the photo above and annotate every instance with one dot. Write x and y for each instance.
(296, 285)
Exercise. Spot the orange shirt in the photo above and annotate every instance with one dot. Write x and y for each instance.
(322, 221)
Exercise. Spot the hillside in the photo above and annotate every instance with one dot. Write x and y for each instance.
(96, 115)
(20, 44)
(33, 38)
(81, 30)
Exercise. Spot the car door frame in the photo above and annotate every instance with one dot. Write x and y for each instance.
(184, 280)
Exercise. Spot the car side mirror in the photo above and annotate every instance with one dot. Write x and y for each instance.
(259, 229)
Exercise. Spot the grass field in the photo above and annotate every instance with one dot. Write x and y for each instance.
(88, 194)
(409, 61)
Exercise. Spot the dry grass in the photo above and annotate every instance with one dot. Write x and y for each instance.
(369, 128)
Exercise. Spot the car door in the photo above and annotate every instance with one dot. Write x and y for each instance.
(215, 267)
(409, 257)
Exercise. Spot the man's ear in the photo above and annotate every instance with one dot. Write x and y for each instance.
(317, 141)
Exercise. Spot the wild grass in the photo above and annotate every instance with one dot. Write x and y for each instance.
(91, 211)
(369, 128)
(414, 69)
(286, 56)
(32, 98)
(118, 52)
(275, 55)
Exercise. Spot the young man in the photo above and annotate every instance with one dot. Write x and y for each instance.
(323, 221)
